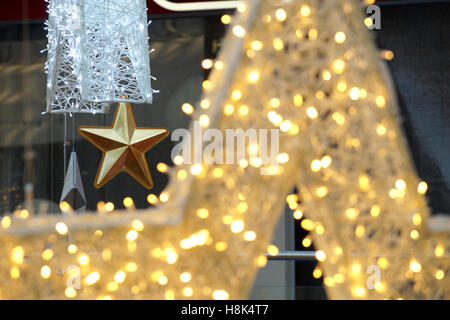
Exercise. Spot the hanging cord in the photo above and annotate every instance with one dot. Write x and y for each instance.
(51, 182)
(65, 144)
(73, 150)
(73, 132)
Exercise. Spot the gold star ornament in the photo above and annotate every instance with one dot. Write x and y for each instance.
(123, 146)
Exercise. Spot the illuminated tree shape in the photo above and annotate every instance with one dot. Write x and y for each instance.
(64, 60)
(336, 107)
(115, 55)
(97, 53)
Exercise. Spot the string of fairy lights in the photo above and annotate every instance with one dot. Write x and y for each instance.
(292, 200)
(340, 143)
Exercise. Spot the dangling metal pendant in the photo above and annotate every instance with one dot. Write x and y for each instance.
(73, 191)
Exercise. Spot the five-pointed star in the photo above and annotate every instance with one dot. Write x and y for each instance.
(123, 146)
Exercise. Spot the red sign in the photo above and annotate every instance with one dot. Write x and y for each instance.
(36, 9)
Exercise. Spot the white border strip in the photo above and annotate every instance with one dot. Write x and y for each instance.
(197, 5)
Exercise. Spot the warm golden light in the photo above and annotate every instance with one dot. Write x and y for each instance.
(326, 75)
(375, 211)
(236, 95)
(164, 197)
(307, 224)
(359, 292)
(17, 255)
(351, 213)
(131, 267)
(320, 255)
(305, 10)
(317, 273)
(132, 235)
(339, 37)
(152, 199)
(278, 44)
(172, 257)
(249, 236)
(70, 292)
(256, 45)
(354, 93)
(280, 14)
(92, 278)
(119, 277)
(380, 101)
(359, 231)
(415, 266)
(221, 246)
(219, 65)
(65, 207)
(188, 292)
(261, 261)
(439, 251)
(83, 259)
(243, 110)
(46, 272)
(61, 228)
(316, 165)
(312, 112)
(109, 206)
(6, 222)
(207, 64)
(237, 226)
(387, 54)
(205, 104)
(368, 22)
(228, 109)
(128, 202)
(338, 66)
(414, 234)
(239, 31)
(185, 277)
(202, 213)
(226, 19)
(137, 225)
(422, 187)
(187, 108)
(321, 191)
(196, 169)
(306, 242)
(181, 174)
(47, 254)
(253, 76)
(341, 86)
(298, 100)
(221, 295)
(72, 249)
(356, 268)
(272, 250)
(417, 219)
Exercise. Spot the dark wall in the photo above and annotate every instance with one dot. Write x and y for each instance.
(419, 36)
